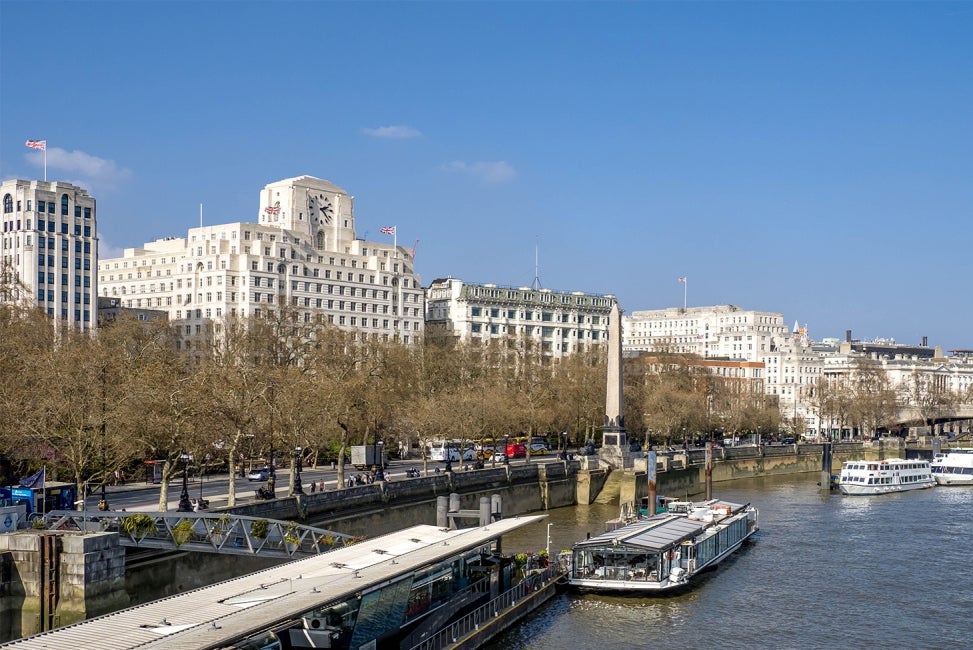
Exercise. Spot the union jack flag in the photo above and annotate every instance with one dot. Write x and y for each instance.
(274, 209)
(388, 230)
(37, 144)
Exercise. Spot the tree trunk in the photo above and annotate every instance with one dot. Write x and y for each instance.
(231, 463)
(164, 485)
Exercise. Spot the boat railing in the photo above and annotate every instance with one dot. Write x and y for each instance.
(484, 614)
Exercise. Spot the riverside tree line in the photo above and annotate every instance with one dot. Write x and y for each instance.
(87, 405)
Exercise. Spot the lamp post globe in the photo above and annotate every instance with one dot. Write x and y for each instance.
(298, 488)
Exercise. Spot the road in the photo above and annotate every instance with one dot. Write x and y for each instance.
(138, 496)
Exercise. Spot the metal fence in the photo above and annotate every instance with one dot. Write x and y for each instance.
(470, 623)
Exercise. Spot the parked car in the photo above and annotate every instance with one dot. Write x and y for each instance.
(261, 474)
(538, 449)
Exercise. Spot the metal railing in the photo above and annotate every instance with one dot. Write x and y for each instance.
(503, 603)
(214, 532)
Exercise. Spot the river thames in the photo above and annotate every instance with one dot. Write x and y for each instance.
(825, 571)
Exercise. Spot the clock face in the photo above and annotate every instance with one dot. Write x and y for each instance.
(327, 212)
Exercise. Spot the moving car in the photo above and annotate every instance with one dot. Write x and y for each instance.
(260, 474)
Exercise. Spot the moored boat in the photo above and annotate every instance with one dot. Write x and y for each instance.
(868, 477)
(663, 552)
(953, 467)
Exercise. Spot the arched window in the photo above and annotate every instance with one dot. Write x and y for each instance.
(8, 203)
(64, 205)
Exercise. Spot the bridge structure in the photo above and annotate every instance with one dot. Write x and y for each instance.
(911, 415)
(216, 532)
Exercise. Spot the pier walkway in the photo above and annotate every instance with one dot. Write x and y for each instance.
(206, 532)
(263, 605)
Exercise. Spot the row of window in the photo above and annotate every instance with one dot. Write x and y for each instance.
(77, 314)
(540, 296)
(79, 246)
(13, 226)
(545, 316)
(48, 278)
(78, 262)
(546, 332)
(48, 296)
(8, 207)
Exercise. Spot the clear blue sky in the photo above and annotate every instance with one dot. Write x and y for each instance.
(814, 159)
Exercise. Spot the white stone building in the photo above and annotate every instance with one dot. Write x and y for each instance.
(50, 250)
(790, 366)
(792, 363)
(302, 248)
(560, 322)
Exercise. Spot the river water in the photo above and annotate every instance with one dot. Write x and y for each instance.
(825, 571)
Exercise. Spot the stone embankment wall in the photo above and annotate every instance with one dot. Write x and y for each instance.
(385, 506)
(48, 579)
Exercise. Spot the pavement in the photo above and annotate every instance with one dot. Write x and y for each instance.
(143, 496)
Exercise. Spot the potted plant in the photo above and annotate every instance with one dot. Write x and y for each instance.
(292, 537)
(259, 528)
(219, 529)
(182, 531)
(39, 524)
(543, 559)
(138, 525)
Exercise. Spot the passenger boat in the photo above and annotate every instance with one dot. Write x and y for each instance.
(954, 467)
(866, 477)
(662, 552)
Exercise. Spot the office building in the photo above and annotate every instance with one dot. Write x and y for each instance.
(560, 322)
(302, 250)
(49, 250)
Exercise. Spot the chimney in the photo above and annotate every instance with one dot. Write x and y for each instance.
(847, 336)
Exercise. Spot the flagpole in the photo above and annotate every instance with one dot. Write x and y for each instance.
(45, 161)
(685, 288)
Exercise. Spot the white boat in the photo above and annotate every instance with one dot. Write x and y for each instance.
(663, 552)
(953, 467)
(866, 477)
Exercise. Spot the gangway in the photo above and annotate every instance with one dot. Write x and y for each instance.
(210, 532)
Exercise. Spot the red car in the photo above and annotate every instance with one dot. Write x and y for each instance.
(516, 450)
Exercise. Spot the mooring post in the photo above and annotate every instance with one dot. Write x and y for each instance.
(453, 507)
(826, 467)
(650, 476)
(484, 511)
(442, 508)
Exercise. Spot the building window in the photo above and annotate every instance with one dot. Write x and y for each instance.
(64, 205)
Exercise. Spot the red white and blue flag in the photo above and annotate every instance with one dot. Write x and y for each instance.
(274, 209)
(37, 144)
(683, 280)
(388, 230)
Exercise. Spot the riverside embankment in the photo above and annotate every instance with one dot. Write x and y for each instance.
(95, 585)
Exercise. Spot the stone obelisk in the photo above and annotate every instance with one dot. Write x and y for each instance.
(614, 449)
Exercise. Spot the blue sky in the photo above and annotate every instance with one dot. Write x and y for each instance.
(813, 159)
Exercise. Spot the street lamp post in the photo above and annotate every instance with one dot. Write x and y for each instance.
(506, 449)
(184, 503)
(449, 456)
(201, 476)
(298, 489)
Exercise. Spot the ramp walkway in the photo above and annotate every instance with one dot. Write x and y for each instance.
(204, 532)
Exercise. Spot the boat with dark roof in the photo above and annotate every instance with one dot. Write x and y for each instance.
(662, 552)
